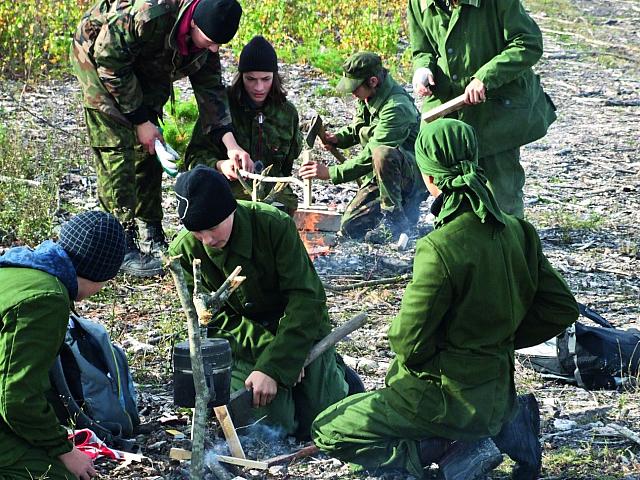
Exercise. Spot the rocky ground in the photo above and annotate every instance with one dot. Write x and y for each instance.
(582, 193)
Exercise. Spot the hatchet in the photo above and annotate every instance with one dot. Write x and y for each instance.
(240, 404)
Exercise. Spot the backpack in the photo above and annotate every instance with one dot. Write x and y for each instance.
(592, 357)
(92, 385)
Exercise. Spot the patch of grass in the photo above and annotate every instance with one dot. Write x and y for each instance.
(27, 210)
(569, 223)
(572, 462)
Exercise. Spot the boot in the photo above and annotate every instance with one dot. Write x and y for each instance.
(469, 460)
(519, 439)
(432, 449)
(353, 380)
(389, 229)
(135, 262)
(153, 240)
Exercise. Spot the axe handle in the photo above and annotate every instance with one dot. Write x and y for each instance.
(338, 154)
(444, 109)
(335, 336)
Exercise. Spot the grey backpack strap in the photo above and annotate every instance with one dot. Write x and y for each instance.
(571, 347)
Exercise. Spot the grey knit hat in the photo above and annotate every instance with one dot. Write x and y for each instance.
(95, 244)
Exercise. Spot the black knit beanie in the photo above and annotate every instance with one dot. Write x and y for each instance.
(95, 244)
(204, 198)
(218, 19)
(258, 56)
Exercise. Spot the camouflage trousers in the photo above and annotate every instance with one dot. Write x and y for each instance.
(129, 180)
(397, 185)
(506, 179)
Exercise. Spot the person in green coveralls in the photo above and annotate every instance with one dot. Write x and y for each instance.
(385, 124)
(484, 49)
(278, 313)
(265, 124)
(126, 56)
(481, 288)
(38, 290)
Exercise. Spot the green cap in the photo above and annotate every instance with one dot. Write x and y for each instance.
(356, 69)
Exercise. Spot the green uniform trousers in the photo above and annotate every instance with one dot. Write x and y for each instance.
(34, 464)
(293, 409)
(397, 184)
(129, 180)
(506, 179)
(364, 430)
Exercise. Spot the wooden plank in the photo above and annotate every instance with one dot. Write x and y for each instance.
(444, 109)
(243, 462)
(229, 430)
(179, 454)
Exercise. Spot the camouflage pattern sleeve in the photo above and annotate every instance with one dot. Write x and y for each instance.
(117, 47)
(211, 95)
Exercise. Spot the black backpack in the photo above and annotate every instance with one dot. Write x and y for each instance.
(592, 357)
(92, 385)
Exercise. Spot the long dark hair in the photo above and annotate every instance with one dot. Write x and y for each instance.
(277, 94)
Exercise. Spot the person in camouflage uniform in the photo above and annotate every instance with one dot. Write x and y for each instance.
(126, 55)
(265, 124)
(386, 125)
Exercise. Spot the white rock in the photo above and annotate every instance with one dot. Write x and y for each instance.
(564, 425)
(367, 365)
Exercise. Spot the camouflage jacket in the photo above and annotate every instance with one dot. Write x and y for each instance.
(270, 134)
(390, 118)
(125, 56)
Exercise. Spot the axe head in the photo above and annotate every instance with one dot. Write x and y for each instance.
(314, 130)
(241, 408)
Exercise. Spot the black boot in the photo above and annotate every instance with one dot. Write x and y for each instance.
(469, 460)
(135, 262)
(520, 439)
(353, 380)
(389, 229)
(152, 239)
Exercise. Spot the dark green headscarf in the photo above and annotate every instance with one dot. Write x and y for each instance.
(447, 150)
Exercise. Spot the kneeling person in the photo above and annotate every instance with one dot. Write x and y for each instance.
(386, 125)
(481, 287)
(274, 318)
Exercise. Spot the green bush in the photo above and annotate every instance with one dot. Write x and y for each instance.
(35, 34)
(26, 211)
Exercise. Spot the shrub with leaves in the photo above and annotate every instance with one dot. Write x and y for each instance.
(36, 34)
(26, 211)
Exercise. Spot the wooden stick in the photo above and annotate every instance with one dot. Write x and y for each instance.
(262, 178)
(243, 462)
(307, 192)
(444, 109)
(229, 430)
(207, 304)
(202, 392)
(21, 181)
(335, 336)
(290, 457)
(367, 283)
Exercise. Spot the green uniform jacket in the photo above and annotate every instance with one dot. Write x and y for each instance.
(124, 53)
(390, 118)
(34, 314)
(270, 134)
(279, 312)
(496, 42)
(453, 373)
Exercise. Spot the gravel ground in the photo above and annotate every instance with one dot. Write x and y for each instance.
(582, 193)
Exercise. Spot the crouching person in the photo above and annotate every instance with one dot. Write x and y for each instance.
(38, 289)
(481, 287)
(274, 318)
